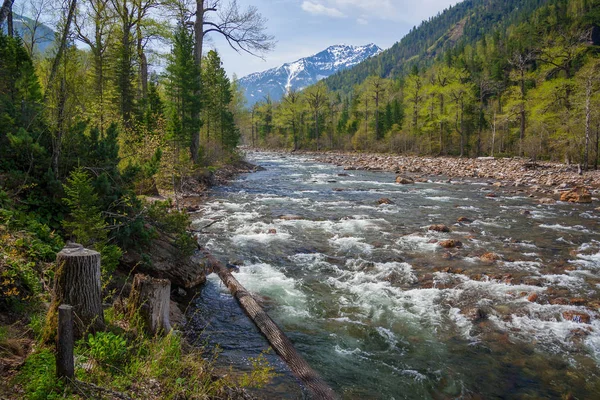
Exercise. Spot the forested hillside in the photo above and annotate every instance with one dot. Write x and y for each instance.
(482, 78)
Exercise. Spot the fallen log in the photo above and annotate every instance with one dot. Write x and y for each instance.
(276, 337)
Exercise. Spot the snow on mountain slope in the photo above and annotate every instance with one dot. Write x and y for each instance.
(304, 72)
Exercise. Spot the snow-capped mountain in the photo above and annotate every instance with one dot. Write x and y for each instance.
(299, 74)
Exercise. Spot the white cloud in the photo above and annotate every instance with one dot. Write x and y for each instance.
(362, 21)
(391, 10)
(320, 9)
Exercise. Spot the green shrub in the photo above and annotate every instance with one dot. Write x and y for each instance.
(108, 349)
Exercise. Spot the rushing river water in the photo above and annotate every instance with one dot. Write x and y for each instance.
(381, 310)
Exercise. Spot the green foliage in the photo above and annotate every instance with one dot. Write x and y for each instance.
(183, 86)
(261, 374)
(38, 377)
(85, 223)
(26, 249)
(167, 219)
(108, 349)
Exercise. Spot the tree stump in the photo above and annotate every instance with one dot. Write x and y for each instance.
(150, 297)
(77, 283)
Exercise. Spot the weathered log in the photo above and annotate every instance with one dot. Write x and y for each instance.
(77, 283)
(65, 365)
(150, 297)
(276, 337)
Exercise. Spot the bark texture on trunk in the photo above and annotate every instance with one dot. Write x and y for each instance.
(151, 298)
(77, 283)
(276, 337)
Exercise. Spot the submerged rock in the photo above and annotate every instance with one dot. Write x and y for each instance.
(577, 195)
(290, 217)
(475, 314)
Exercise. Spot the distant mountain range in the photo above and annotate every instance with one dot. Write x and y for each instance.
(23, 26)
(304, 72)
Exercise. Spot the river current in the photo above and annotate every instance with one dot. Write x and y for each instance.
(380, 309)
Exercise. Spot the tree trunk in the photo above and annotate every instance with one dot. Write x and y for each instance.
(276, 337)
(10, 29)
(77, 283)
(199, 38)
(522, 114)
(150, 297)
(588, 118)
(5, 10)
(317, 129)
(61, 46)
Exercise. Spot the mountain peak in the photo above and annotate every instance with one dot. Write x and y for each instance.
(304, 72)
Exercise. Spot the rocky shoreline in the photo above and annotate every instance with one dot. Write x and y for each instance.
(543, 178)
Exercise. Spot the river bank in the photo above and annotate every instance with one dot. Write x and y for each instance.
(542, 177)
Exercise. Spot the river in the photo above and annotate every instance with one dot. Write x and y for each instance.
(380, 309)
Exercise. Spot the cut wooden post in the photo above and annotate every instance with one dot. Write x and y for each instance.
(151, 298)
(276, 337)
(65, 367)
(77, 283)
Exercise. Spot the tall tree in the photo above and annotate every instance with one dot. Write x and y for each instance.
(243, 30)
(316, 97)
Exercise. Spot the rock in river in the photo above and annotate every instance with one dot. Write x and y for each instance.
(577, 195)
(450, 243)
(439, 228)
(403, 180)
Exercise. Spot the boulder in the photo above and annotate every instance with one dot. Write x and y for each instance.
(272, 231)
(490, 257)
(403, 180)
(384, 200)
(439, 228)
(576, 316)
(450, 243)
(464, 220)
(167, 261)
(546, 200)
(533, 296)
(577, 195)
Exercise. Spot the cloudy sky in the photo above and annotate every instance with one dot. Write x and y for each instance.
(305, 27)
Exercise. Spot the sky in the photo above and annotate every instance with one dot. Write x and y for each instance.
(304, 27)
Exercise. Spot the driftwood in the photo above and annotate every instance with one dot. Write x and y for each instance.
(151, 298)
(77, 283)
(276, 337)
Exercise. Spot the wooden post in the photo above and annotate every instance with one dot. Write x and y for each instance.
(151, 298)
(77, 283)
(65, 367)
